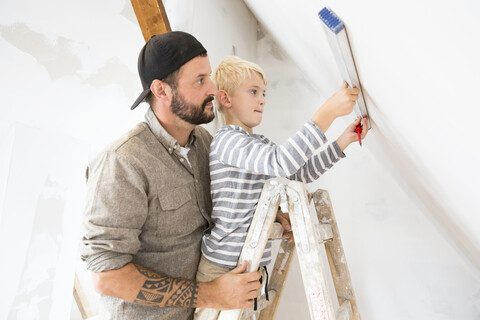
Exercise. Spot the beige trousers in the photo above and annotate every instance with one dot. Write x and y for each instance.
(206, 272)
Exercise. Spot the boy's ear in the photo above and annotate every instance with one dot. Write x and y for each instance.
(223, 98)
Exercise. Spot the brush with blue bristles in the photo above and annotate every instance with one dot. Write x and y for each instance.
(338, 39)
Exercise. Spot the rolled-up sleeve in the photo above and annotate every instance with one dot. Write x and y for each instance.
(116, 210)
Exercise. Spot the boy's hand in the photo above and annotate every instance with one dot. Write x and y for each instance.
(340, 104)
(349, 135)
(342, 101)
(284, 220)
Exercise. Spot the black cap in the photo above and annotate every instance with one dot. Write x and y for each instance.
(162, 55)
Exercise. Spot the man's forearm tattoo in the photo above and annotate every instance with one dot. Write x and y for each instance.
(160, 290)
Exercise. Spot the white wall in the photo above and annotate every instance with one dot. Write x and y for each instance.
(66, 82)
(405, 202)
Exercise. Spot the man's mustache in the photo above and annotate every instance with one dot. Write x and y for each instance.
(207, 100)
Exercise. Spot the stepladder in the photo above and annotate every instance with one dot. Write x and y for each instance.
(319, 250)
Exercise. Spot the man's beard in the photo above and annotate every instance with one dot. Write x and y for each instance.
(190, 112)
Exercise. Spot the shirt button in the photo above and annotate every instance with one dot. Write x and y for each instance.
(170, 150)
(175, 146)
(196, 180)
(181, 160)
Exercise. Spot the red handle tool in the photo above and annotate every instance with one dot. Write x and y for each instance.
(358, 130)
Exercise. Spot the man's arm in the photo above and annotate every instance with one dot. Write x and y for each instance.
(136, 284)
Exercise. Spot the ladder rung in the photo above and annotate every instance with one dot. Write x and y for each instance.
(345, 311)
(276, 231)
(324, 232)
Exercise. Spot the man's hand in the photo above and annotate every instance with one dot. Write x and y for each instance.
(284, 220)
(233, 290)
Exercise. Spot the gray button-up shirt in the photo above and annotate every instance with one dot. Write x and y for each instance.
(146, 205)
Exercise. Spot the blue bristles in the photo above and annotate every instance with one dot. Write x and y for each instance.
(331, 20)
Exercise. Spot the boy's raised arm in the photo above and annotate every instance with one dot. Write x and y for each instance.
(339, 104)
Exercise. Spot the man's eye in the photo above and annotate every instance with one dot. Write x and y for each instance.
(200, 81)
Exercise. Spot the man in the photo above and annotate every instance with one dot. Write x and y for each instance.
(148, 197)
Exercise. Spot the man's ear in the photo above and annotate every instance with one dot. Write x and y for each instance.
(223, 98)
(161, 90)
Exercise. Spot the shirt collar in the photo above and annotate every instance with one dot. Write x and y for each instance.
(169, 142)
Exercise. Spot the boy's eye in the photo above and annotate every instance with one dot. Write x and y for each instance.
(253, 91)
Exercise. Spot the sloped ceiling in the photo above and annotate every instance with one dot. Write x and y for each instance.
(417, 67)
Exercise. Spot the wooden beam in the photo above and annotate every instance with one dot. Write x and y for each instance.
(81, 299)
(151, 17)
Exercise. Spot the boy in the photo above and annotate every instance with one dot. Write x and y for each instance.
(241, 161)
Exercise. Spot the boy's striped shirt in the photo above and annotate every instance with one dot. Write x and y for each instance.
(240, 163)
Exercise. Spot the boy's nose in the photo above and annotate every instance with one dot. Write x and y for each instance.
(262, 101)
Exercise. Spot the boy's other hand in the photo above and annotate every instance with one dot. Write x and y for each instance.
(284, 220)
(349, 135)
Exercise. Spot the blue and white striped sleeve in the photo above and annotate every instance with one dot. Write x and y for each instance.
(243, 151)
(319, 164)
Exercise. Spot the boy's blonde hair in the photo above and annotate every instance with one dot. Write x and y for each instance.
(231, 72)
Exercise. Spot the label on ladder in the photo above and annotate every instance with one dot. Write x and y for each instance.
(318, 304)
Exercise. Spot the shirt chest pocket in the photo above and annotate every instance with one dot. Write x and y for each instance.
(171, 210)
(174, 198)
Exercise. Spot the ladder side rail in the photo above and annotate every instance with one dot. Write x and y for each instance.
(335, 253)
(257, 236)
(308, 246)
